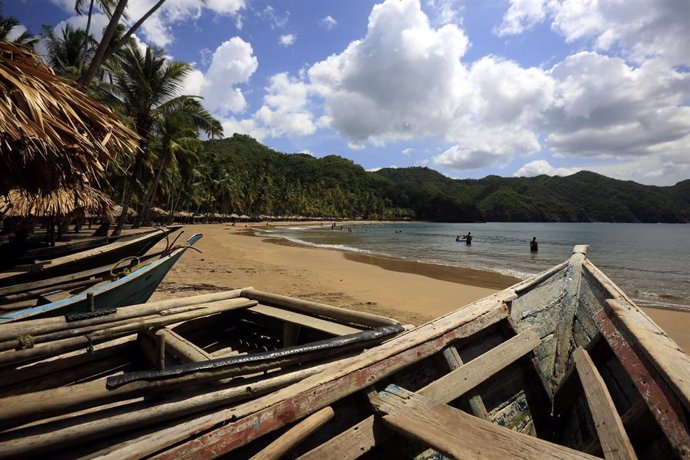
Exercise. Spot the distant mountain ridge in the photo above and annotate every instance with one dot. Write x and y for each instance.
(271, 182)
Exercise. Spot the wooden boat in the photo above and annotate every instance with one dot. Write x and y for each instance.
(562, 365)
(10, 256)
(63, 390)
(92, 258)
(132, 288)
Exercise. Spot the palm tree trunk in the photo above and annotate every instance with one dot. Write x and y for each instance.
(148, 202)
(86, 36)
(126, 199)
(107, 50)
(104, 45)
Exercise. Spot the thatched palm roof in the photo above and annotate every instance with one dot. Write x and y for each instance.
(51, 134)
(81, 200)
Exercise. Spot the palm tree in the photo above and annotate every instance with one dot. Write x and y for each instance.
(178, 120)
(146, 91)
(66, 53)
(9, 23)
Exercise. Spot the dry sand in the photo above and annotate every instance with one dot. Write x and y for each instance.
(413, 293)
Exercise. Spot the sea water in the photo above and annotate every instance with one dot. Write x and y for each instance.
(650, 262)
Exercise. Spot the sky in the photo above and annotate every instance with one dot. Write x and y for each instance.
(468, 88)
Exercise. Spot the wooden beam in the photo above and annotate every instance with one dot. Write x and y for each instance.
(474, 400)
(362, 437)
(312, 322)
(458, 434)
(663, 402)
(295, 435)
(612, 436)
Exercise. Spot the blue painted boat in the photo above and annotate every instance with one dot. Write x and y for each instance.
(133, 288)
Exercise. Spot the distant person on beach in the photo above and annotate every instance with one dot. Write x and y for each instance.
(457, 238)
(533, 245)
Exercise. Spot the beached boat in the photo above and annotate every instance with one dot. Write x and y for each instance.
(194, 355)
(11, 256)
(562, 365)
(133, 288)
(84, 260)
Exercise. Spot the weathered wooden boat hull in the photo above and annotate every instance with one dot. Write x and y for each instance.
(92, 258)
(565, 357)
(563, 365)
(136, 287)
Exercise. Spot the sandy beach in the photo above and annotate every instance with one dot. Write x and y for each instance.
(413, 293)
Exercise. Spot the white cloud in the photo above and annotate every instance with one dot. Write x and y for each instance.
(405, 79)
(407, 151)
(538, 167)
(287, 40)
(232, 63)
(446, 11)
(284, 111)
(522, 15)
(328, 22)
(399, 82)
(638, 28)
(15, 32)
(275, 19)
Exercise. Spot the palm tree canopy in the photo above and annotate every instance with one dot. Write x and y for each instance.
(53, 134)
(7, 24)
(66, 52)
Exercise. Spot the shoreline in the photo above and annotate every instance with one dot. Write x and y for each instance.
(411, 292)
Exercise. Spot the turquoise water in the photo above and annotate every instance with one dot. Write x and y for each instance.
(650, 262)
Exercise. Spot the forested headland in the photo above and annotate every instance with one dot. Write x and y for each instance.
(238, 174)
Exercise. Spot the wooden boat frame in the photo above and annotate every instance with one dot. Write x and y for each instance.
(658, 373)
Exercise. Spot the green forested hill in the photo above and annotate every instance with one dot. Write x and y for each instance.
(247, 177)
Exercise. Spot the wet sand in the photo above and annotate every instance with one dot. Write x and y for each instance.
(411, 292)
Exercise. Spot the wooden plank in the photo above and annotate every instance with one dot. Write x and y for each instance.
(661, 350)
(460, 435)
(612, 436)
(329, 327)
(295, 435)
(662, 401)
(269, 413)
(363, 436)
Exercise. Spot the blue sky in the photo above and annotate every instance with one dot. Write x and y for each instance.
(469, 88)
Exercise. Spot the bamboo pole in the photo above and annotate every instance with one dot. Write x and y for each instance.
(102, 335)
(65, 433)
(306, 306)
(37, 327)
(295, 435)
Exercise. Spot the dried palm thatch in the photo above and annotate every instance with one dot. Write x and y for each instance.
(51, 134)
(78, 201)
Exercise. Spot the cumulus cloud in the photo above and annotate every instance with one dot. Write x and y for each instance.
(232, 63)
(539, 167)
(287, 40)
(407, 151)
(328, 22)
(604, 107)
(406, 79)
(638, 28)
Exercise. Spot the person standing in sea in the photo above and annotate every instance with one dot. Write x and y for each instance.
(533, 245)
